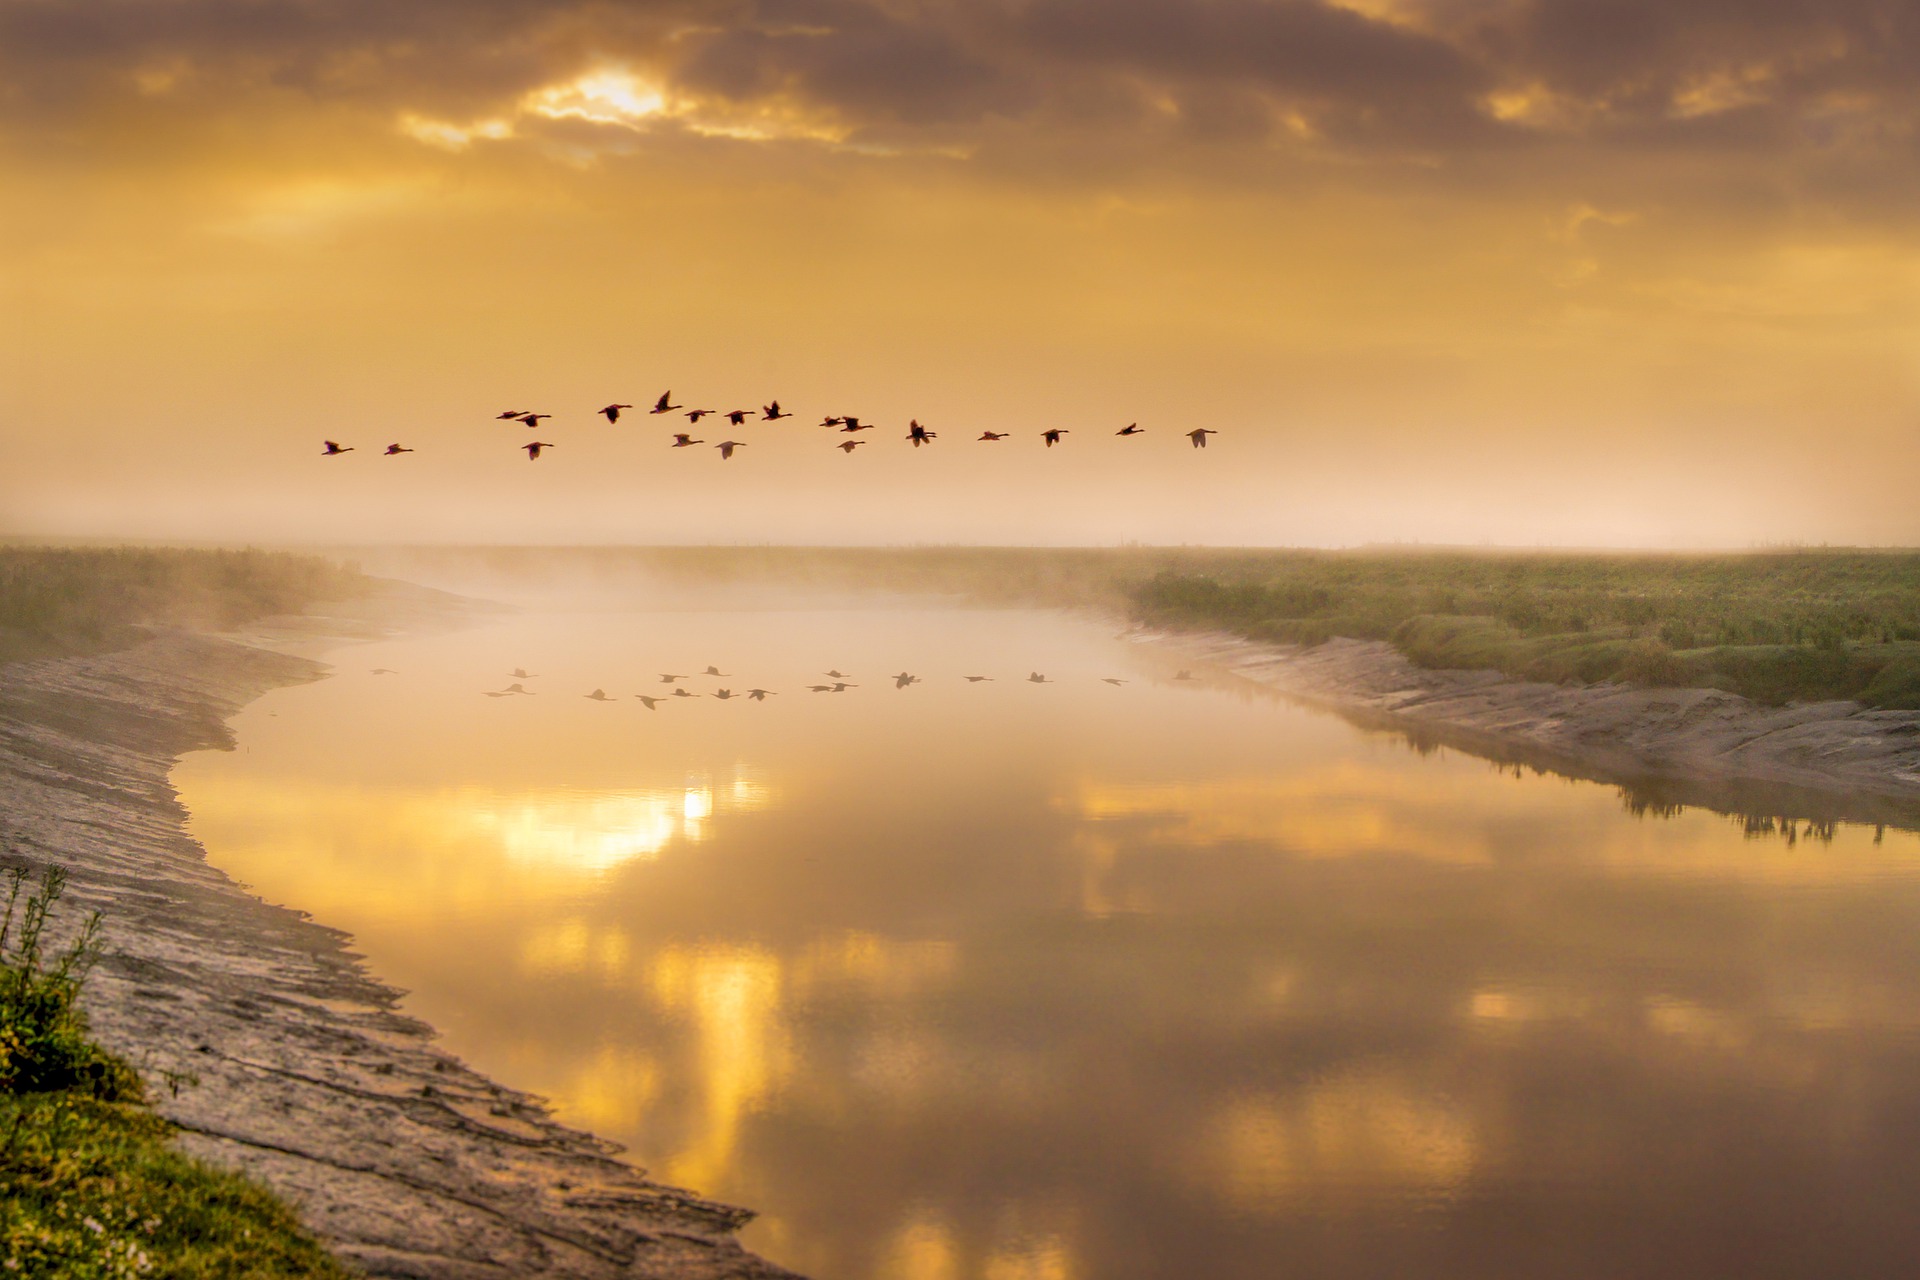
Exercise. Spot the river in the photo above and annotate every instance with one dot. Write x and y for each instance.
(1075, 980)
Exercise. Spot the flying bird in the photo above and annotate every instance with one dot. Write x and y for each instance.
(834, 675)
(724, 694)
(993, 435)
(854, 424)
(612, 411)
(841, 686)
(1114, 681)
(510, 415)
(831, 422)
(385, 671)
(649, 702)
(333, 448)
(760, 695)
(848, 446)
(519, 673)
(822, 688)
(533, 419)
(1131, 429)
(1053, 435)
(395, 448)
(771, 412)
(681, 691)
(664, 404)
(533, 448)
(975, 679)
(516, 688)
(738, 417)
(902, 680)
(694, 415)
(1199, 436)
(726, 448)
(1037, 678)
(715, 671)
(919, 434)
(599, 695)
(668, 679)
(681, 440)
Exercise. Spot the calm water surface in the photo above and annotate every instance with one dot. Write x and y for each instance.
(1080, 981)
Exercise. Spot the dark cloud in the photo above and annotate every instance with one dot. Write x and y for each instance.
(1607, 78)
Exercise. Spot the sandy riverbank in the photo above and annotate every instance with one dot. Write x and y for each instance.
(406, 1161)
(1828, 761)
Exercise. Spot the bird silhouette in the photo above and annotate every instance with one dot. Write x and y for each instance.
(726, 448)
(993, 435)
(1131, 429)
(976, 679)
(518, 688)
(520, 674)
(669, 679)
(1037, 678)
(723, 694)
(854, 424)
(715, 671)
(533, 448)
(771, 412)
(599, 695)
(680, 691)
(649, 702)
(831, 422)
(1199, 436)
(841, 686)
(612, 411)
(834, 675)
(333, 448)
(760, 695)
(738, 417)
(396, 448)
(533, 419)
(902, 680)
(490, 693)
(848, 446)
(821, 688)
(509, 415)
(681, 440)
(664, 404)
(919, 434)
(1116, 683)
(385, 671)
(1053, 435)
(694, 415)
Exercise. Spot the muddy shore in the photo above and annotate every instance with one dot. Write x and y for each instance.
(291, 1061)
(1819, 762)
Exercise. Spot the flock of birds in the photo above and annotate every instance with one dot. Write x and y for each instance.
(840, 683)
(847, 425)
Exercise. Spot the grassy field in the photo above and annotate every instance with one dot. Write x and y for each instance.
(91, 1186)
(78, 600)
(1776, 627)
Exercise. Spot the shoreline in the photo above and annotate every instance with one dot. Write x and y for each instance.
(1817, 762)
(293, 1064)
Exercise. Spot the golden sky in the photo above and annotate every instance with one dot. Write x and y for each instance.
(1564, 271)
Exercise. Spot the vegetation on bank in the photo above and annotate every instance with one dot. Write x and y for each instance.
(91, 1186)
(1776, 627)
(56, 600)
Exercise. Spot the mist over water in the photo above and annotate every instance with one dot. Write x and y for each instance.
(1075, 980)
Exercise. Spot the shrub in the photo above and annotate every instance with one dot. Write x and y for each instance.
(43, 1033)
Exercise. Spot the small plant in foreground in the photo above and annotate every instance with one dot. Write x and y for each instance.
(43, 1033)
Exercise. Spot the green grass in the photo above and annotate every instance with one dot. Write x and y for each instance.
(91, 1185)
(1776, 627)
(84, 600)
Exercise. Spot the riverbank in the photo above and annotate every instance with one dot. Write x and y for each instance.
(296, 1066)
(1821, 761)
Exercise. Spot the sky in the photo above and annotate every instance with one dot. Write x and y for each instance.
(1515, 272)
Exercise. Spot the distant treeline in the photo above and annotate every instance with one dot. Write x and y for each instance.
(64, 600)
(1774, 627)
